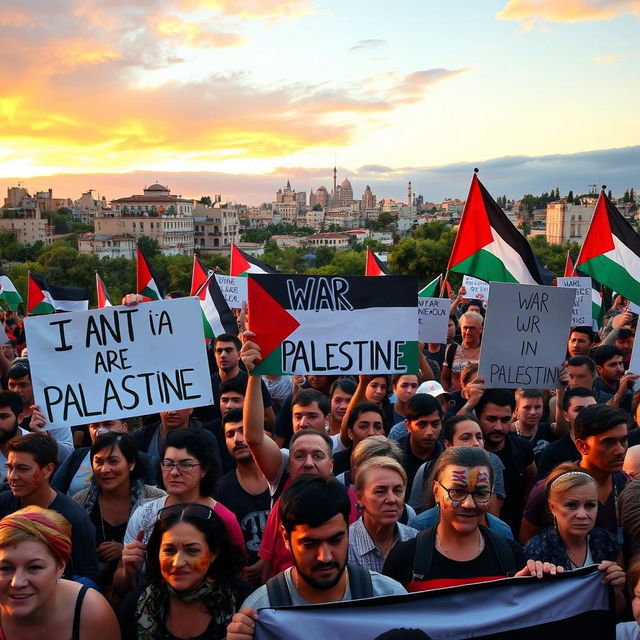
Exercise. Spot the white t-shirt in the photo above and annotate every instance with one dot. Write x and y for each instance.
(627, 631)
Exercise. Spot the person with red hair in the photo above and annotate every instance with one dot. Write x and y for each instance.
(35, 602)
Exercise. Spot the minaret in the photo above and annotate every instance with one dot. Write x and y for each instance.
(335, 189)
(409, 196)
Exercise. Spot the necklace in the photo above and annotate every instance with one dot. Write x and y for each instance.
(245, 488)
(518, 430)
(448, 553)
(577, 565)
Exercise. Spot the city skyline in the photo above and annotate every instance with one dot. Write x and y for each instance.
(214, 96)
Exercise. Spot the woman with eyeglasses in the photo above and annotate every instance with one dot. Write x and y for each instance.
(188, 465)
(459, 550)
(192, 578)
(116, 489)
(573, 541)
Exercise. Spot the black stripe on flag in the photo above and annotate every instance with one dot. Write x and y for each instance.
(330, 292)
(61, 293)
(622, 229)
(227, 319)
(505, 229)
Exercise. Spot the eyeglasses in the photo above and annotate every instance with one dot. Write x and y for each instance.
(200, 511)
(182, 465)
(482, 496)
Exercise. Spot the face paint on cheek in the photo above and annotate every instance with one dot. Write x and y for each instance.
(483, 477)
(202, 562)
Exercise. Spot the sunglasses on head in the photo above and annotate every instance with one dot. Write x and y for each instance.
(200, 511)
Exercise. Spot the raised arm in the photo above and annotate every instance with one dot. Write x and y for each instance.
(265, 451)
(358, 397)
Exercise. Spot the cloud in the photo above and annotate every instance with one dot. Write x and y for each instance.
(531, 11)
(370, 43)
(374, 168)
(606, 59)
(513, 176)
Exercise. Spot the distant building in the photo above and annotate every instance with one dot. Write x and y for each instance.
(107, 246)
(22, 218)
(344, 196)
(368, 199)
(567, 222)
(215, 226)
(283, 240)
(156, 214)
(322, 197)
(314, 219)
(333, 240)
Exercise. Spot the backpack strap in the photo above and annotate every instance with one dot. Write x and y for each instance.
(503, 551)
(423, 554)
(278, 591)
(359, 582)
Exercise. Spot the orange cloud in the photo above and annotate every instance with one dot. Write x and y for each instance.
(528, 11)
(252, 9)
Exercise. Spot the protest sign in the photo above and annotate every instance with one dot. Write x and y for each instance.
(3, 336)
(234, 290)
(476, 289)
(334, 324)
(571, 605)
(634, 365)
(433, 319)
(525, 336)
(118, 361)
(581, 316)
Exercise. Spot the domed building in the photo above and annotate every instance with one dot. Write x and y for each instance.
(322, 197)
(346, 194)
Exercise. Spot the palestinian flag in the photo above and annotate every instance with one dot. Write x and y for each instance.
(199, 275)
(103, 296)
(336, 325)
(243, 264)
(8, 292)
(433, 289)
(611, 251)
(375, 266)
(488, 246)
(43, 297)
(569, 269)
(149, 285)
(217, 318)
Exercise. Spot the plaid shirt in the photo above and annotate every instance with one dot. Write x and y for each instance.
(363, 550)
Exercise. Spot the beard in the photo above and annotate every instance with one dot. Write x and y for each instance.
(5, 436)
(321, 585)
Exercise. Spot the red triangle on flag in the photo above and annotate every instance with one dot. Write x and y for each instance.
(568, 267)
(273, 324)
(34, 295)
(474, 232)
(373, 267)
(239, 264)
(599, 239)
(143, 272)
(199, 276)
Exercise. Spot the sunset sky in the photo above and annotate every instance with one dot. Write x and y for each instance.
(237, 96)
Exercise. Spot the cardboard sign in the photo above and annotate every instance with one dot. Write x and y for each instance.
(634, 365)
(525, 336)
(118, 362)
(234, 290)
(476, 289)
(433, 319)
(581, 316)
(334, 324)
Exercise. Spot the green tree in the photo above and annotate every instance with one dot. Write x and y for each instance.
(206, 200)
(348, 263)
(9, 247)
(149, 246)
(570, 197)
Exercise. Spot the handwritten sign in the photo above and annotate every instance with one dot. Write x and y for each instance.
(525, 336)
(234, 290)
(119, 361)
(476, 289)
(334, 324)
(581, 316)
(433, 319)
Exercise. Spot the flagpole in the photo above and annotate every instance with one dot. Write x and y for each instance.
(575, 264)
(443, 283)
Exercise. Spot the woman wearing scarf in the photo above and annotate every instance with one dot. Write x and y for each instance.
(192, 577)
(35, 546)
(115, 490)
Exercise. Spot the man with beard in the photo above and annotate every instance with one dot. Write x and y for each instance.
(613, 385)
(245, 491)
(494, 411)
(315, 517)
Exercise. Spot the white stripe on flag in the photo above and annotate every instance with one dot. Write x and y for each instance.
(511, 259)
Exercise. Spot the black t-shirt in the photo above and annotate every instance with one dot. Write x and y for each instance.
(342, 461)
(251, 511)
(516, 455)
(541, 439)
(562, 450)
(412, 463)
(399, 563)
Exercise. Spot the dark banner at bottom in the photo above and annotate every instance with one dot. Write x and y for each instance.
(572, 605)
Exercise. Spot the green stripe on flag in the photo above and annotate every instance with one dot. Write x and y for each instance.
(486, 266)
(12, 298)
(409, 356)
(148, 292)
(42, 309)
(272, 364)
(614, 276)
(208, 331)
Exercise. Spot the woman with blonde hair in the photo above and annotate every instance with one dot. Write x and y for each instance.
(380, 487)
(35, 602)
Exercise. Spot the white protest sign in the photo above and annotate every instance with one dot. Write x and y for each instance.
(582, 306)
(118, 362)
(234, 289)
(3, 336)
(476, 289)
(433, 319)
(525, 336)
(634, 365)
